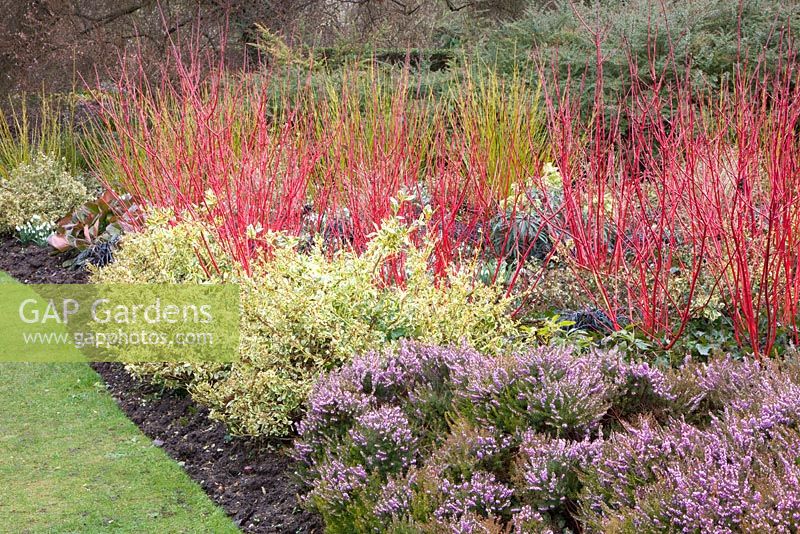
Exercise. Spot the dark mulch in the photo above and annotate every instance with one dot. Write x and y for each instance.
(35, 265)
(251, 481)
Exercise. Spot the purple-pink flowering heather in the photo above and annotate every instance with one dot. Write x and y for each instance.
(549, 388)
(479, 445)
(395, 497)
(468, 523)
(527, 520)
(384, 440)
(637, 386)
(447, 439)
(367, 382)
(338, 484)
(781, 408)
(482, 493)
(712, 385)
(738, 474)
(549, 468)
(332, 407)
(730, 479)
(488, 445)
(627, 460)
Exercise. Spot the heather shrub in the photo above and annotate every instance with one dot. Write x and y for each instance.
(306, 311)
(705, 388)
(548, 469)
(645, 450)
(738, 474)
(41, 187)
(487, 439)
(551, 389)
(547, 389)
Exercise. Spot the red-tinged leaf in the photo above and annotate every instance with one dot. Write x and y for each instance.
(59, 242)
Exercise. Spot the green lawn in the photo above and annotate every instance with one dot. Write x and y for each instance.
(70, 461)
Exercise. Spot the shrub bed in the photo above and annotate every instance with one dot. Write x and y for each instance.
(425, 438)
(305, 312)
(370, 210)
(674, 204)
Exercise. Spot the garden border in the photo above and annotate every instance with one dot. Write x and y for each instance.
(251, 480)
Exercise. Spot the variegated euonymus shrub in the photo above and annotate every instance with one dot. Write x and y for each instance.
(306, 311)
(42, 188)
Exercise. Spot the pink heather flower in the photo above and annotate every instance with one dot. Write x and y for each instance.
(395, 497)
(384, 439)
(338, 483)
(481, 494)
(551, 466)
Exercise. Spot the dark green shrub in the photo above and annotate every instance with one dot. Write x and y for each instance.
(701, 33)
